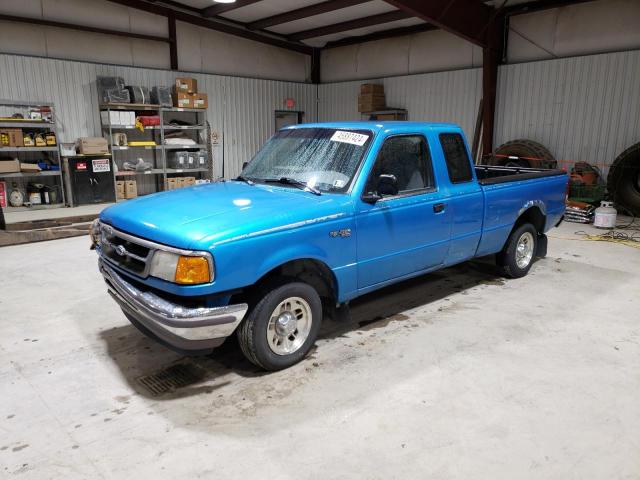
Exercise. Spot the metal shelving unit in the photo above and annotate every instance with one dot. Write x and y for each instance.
(160, 151)
(29, 154)
(26, 149)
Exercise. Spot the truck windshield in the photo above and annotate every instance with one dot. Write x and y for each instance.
(324, 159)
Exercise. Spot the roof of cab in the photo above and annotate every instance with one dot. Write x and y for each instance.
(378, 126)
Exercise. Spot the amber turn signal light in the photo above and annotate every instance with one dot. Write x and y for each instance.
(192, 270)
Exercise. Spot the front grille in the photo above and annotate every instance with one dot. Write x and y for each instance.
(127, 252)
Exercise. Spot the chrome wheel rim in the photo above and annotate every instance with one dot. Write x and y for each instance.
(524, 250)
(289, 326)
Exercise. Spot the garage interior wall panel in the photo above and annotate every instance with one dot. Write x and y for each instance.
(240, 110)
(250, 99)
(433, 97)
(199, 49)
(583, 108)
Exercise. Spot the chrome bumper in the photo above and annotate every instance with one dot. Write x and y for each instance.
(179, 327)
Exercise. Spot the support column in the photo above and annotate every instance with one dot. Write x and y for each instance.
(315, 66)
(173, 42)
(490, 60)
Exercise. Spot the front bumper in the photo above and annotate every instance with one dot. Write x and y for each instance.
(176, 326)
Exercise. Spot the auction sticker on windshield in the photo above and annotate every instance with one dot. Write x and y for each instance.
(349, 137)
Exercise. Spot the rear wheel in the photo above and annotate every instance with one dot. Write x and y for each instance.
(517, 256)
(282, 327)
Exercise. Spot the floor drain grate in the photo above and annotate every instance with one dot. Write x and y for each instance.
(171, 378)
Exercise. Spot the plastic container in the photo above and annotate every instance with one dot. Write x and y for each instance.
(605, 216)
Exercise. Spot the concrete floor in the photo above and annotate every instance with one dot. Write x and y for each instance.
(458, 374)
(18, 215)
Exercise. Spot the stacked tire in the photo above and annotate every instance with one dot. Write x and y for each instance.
(530, 155)
(623, 181)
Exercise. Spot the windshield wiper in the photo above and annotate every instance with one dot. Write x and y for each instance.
(245, 180)
(296, 183)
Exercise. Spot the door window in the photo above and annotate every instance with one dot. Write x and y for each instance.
(456, 157)
(407, 158)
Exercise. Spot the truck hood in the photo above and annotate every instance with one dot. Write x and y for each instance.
(199, 217)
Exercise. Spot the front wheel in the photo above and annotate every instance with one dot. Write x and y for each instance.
(282, 327)
(517, 256)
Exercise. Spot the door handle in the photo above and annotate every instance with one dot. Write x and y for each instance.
(438, 207)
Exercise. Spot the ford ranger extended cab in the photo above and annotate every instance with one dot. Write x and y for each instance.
(322, 214)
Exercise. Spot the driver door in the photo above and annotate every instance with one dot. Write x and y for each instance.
(406, 233)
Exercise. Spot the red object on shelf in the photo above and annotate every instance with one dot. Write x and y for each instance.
(149, 120)
(3, 194)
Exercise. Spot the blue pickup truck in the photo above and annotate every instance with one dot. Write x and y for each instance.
(322, 214)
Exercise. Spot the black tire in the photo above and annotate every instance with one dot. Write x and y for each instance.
(524, 148)
(507, 259)
(252, 332)
(623, 181)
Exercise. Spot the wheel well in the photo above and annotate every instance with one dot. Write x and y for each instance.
(534, 216)
(307, 270)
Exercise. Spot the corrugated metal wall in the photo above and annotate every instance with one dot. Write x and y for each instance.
(432, 97)
(242, 110)
(582, 108)
(249, 100)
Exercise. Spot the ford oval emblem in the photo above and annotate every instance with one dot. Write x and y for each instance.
(120, 250)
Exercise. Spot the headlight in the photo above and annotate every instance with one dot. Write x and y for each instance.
(182, 269)
(94, 233)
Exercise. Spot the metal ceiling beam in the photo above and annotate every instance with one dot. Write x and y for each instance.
(381, 35)
(217, 25)
(540, 5)
(82, 28)
(351, 25)
(304, 12)
(465, 18)
(214, 10)
(176, 4)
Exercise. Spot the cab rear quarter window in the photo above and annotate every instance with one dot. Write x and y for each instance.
(456, 157)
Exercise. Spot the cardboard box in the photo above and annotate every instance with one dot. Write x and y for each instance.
(183, 100)
(186, 85)
(11, 137)
(3, 195)
(373, 88)
(188, 181)
(389, 116)
(171, 184)
(128, 119)
(120, 190)
(110, 117)
(9, 166)
(370, 102)
(130, 189)
(200, 100)
(30, 167)
(92, 145)
(179, 182)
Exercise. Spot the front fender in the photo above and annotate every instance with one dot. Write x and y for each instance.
(242, 263)
(289, 254)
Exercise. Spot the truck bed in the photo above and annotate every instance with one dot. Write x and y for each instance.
(491, 175)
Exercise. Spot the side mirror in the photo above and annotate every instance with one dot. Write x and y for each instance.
(244, 165)
(387, 186)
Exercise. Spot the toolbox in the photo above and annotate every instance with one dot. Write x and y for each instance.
(89, 180)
